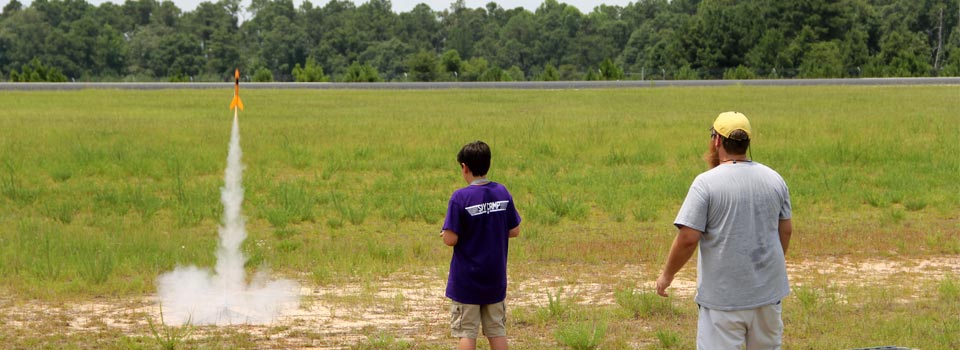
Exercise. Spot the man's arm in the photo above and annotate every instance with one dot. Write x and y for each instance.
(785, 229)
(683, 247)
(449, 237)
(515, 232)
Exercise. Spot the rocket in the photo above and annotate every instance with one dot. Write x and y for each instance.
(236, 103)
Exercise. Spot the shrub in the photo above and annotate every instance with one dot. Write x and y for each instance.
(358, 73)
(313, 72)
(263, 75)
(739, 73)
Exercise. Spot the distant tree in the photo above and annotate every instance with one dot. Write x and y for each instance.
(423, 66)
(110, 55)
(312, 72)
(768, 54)
(179, 53)
(610, 71)
(358, 73)
(263, 75)
(35, 72)
(215, 25)
(592, 75)
(419, 28)
(518, 40)
(951, 67)
(387, 57)
(824, 60)
(450, 62)
(568, 72)
(687, 73)
(550, 73)
(10, 8)
(155, 40)
(473, 68)
(515, 74)
(739, 73)
(378, 20)
(903, 54)
(179, 77)
(494, 74)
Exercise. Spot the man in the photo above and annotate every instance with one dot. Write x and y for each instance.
(481, 219)
(739, 213)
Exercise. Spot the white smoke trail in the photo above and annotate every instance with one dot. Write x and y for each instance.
(197, 296)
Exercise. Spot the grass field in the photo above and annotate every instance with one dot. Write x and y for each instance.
(101, 191)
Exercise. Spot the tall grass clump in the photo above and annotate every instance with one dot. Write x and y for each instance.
(62, 211)
(169, 337)
(949, 289)
(581, 335)
(667, 339)
(13, 188)
(557, 308)
(382, 340)
(353, 210)
(289, 203)
(644, 304)
(564, 205)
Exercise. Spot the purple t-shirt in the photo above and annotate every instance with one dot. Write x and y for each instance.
(482, 217)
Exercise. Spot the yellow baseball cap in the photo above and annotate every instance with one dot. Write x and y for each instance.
(727, 122)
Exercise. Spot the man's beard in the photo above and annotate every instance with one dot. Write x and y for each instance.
(711, 156)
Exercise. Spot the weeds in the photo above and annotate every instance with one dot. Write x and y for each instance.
(668, 339)
(644, 304)
(96, 269)
(556, 307)
(581, 335)
(355, 214)
(168, 337)
(12, 187)
(383, 341)
(60, 211)
(949, 289)
(564, 205)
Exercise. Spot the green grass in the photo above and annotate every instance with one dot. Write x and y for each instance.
(103, 190)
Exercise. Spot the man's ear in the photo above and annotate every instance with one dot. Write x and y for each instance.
(466, 169)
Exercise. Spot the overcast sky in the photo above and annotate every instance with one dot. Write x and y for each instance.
(585, 6)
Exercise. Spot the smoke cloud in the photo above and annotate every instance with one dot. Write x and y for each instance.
(222, 297)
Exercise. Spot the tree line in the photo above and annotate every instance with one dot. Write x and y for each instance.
(147, 40)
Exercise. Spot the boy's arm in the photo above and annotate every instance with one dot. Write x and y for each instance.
(449, 237)
(515, 232)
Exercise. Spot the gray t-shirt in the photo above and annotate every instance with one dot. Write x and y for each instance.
(738, 207)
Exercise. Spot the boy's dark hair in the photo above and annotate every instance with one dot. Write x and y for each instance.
(476, 155)
(737, 143)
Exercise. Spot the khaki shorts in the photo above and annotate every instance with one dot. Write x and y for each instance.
(466, 319)
(759, 329)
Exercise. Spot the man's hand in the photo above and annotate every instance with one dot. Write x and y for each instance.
(662, 283)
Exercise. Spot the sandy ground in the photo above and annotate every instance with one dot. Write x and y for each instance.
(412, 306)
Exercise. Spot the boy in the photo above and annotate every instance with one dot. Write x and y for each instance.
(481, 218)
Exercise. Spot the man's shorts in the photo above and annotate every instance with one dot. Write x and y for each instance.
(759, 329)
(466, 319)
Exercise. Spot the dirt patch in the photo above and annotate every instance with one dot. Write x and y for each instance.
(412, 307)
(842, 271)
